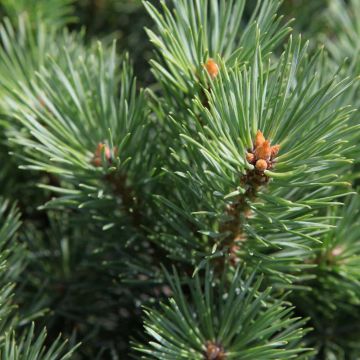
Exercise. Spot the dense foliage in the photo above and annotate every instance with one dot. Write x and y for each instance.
(179, 179)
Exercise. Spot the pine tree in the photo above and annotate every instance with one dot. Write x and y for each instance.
(208, 210)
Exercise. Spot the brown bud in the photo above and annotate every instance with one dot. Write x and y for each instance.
(275, 150)
(259, 139)
(212, 68)
(250, 157)
(214, 352)
(97, 159)
(261, 165)
(263, 151)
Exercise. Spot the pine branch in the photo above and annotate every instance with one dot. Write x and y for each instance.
(227, 319)
(91, 139)
(26, 50)
(193, 33)
(234, 188)
(238, 154)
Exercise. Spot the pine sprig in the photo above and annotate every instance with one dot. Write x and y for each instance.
(93, 136)
(235, 162)
(190, 33)
(221, 193)
(26, 50)
(229, 319)
(243, 101)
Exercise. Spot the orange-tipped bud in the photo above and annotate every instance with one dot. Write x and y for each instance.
(250, 157)
(212, 68)
(259, 139)
(263, 151)
(261, 165)
(275, 150)
(97, 159)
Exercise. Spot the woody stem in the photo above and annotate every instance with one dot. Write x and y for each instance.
(239, 210)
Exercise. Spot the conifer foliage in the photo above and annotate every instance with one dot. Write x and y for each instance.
(208, 211)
